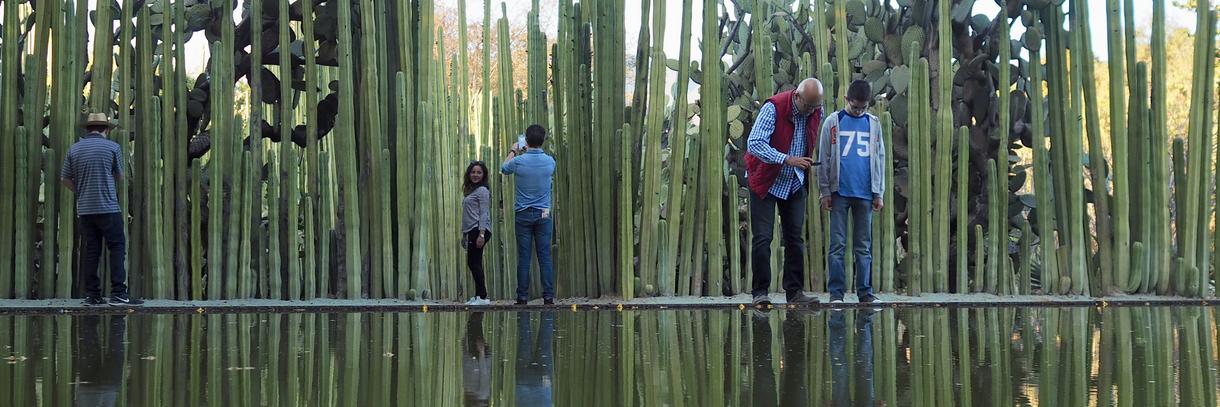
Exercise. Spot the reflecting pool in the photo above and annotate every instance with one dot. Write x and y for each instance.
(1127, 356)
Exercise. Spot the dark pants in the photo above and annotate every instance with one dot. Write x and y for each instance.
(96, 229)
(762, 225)
(474, 260)
(534, 232)
(861, 211)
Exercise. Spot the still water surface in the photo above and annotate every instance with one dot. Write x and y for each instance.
(921, 357)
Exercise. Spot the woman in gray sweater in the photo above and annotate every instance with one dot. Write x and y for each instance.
(476, 226)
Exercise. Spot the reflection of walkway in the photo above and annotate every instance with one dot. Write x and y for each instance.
(535, 361)
(476, 365)
(99, 356)
(861, 371)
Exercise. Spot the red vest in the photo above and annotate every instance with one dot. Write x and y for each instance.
(762, 175)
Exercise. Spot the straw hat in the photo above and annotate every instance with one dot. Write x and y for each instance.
(98, 119)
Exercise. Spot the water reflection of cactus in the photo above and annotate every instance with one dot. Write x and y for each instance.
(988, 356)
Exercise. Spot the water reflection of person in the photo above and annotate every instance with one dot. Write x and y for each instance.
(535, 367)
(476, 365)
(99, 356)
(794, 390)
(862, 364)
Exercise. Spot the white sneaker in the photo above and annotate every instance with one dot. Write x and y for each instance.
(482, 301)
(473, 301)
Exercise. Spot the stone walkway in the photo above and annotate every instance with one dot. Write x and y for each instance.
(74, 306)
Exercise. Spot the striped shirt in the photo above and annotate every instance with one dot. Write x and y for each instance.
(790, 178)
(92, 164)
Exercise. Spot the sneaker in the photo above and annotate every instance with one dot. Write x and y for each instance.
(800, 298)
(473, 301)
(484, 301)
(869, 299)
(93, 301)
(836, 299)
(522, 301)
(548, 301)
(762, 299)
(123, 300)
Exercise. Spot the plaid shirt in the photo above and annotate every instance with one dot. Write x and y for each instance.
(790, 178)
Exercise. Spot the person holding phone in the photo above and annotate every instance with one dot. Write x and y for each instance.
(780, 150)
(534, 170)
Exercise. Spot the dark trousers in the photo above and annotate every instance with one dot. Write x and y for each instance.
(96, 230)
(474, 260)
(762, 226)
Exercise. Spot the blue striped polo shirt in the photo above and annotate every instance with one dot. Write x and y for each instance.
(92, 164)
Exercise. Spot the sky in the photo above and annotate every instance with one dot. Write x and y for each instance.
(518, 9)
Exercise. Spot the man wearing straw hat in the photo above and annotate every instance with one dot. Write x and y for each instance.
(91, 169)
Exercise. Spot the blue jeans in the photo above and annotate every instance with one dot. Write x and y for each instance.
(534, 232)
(862, 238)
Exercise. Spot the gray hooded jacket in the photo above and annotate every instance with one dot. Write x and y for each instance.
(828, 172)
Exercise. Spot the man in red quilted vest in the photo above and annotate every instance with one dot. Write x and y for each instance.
(777, 170)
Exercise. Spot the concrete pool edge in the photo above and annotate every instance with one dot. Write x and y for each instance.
(328, 305)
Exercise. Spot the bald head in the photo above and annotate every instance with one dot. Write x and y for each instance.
(808, 95)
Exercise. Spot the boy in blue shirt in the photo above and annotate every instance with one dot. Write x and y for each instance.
(534, 169)
(852, 182)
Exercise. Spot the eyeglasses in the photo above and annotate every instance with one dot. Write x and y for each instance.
(473, 162)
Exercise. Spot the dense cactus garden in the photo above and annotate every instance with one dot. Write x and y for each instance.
(341, 174)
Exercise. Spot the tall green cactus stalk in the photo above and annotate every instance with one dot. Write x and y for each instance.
(991, 276)
(677, 160)
(182, 154)
(197, 244)
(764, 85)
(1118, 142)
(403, 177)
(326, 225)
(1024, 280)
(1203, 129)
(713, 129)
(843, 68)
(247, 265)
(22, 236)
(997, 208)
(888, 229)
(35, 109)
(161, 272)
(1097, 168)
(290, 157)
(963, 221)
(1190, 238)
(944, 139)
(369, 146)
(254, 182)
(168, 123)
(1079, 249)
(1140, 160)
(275, 210)
(345, 134)
(8, 123)
(1160, 247)
(232, 210)
(624, 207)
(403, 147)
(917, 136)
(650, 190)
(314, 268)
(1042, 183)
